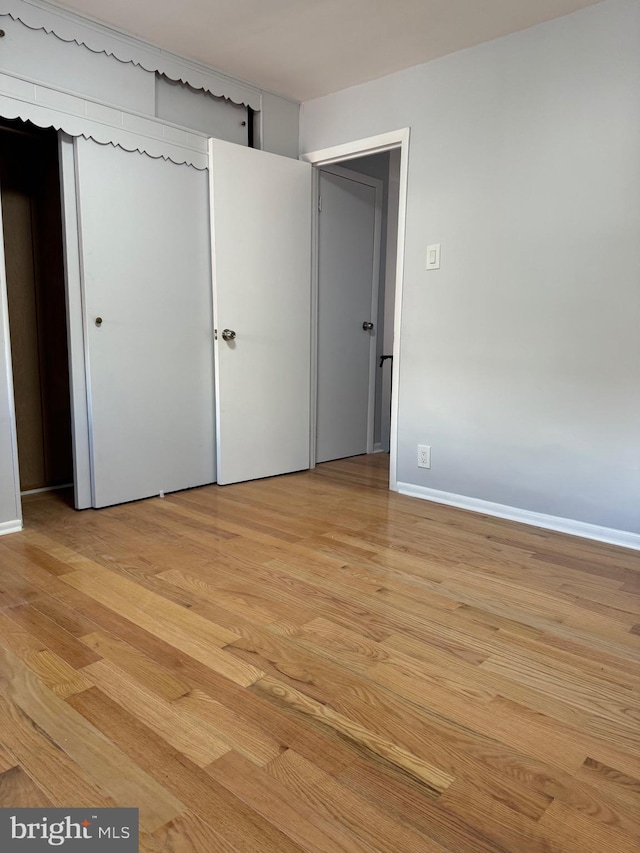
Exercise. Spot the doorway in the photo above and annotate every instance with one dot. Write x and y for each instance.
(357, 258)
(393, 141)
(34, 261)
(349, 278)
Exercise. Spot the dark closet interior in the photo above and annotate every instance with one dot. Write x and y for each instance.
(32, 224)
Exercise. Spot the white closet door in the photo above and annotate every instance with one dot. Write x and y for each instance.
(261, 206)
(145, 247)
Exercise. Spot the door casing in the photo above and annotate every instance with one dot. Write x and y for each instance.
(16, 523)
(76, 332)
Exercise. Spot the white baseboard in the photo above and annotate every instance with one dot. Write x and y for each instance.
(378, 448)
(623, 538)
(10, 526)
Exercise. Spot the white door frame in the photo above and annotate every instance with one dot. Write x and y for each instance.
(340, 154)
(12, 525)
(377, 185)
(76, 324)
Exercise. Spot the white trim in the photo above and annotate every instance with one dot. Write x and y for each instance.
(357, 148)
(10, 526)
(71, 26)
(313, 385)
(214, 308)
(84, 367)
(623, 538)
(78, 115)
(378, 448)
(46, 489)
(377, 185)
(360, 148)
(75, 322)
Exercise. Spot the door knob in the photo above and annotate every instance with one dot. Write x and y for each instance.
(228, 335)
(98, 321)
(368, 327)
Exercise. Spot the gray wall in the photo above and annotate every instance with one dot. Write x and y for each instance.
(278, 125)
(520, 357)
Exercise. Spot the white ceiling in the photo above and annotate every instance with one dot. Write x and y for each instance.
(307, 48)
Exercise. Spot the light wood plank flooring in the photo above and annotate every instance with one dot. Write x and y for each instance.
(313, 663)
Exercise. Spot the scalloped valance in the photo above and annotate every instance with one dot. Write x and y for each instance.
(45, 106)
(69, 27)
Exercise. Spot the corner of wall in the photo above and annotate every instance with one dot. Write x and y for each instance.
(280, 125)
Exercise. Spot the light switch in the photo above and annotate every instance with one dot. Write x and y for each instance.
(433, 257)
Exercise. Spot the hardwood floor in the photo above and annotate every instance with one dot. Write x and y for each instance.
(314, 663)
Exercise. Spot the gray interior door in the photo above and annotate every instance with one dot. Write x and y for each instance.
(348, 268)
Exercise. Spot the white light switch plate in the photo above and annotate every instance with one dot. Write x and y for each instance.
(433, 257)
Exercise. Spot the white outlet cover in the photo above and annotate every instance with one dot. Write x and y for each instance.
(433, 257)
(424, 456)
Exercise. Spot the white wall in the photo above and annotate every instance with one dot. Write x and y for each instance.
(520, 359)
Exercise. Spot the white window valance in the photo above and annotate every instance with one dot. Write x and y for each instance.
(69, 27)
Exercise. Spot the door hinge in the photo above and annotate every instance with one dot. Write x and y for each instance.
(319, 204)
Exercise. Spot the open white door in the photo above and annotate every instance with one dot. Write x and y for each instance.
(261, 232)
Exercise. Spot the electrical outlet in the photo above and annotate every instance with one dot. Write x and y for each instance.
(424, 456)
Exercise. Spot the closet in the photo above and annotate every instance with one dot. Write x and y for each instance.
(31, 219)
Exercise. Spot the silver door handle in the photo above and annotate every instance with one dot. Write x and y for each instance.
(368, 327)
(228, 335)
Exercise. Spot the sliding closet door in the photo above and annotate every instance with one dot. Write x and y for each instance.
(145, 247)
